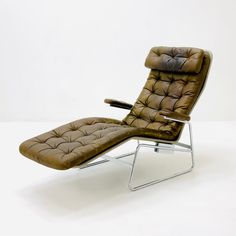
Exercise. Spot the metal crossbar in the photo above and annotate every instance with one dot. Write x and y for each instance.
(109, 158)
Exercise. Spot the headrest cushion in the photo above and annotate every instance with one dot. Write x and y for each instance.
(171, 59)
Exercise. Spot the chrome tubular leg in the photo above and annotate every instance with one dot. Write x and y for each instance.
(191, 143)
(181, 147)
(132, 170)
(187, 149)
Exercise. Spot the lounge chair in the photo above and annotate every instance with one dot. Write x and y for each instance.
(175, 82)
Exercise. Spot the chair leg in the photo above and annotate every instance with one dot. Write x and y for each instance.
(133, 188)
(181, 147)
(187, 148)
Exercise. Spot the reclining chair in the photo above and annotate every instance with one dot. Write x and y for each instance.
(175, 82)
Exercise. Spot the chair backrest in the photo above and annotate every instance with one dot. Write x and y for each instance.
(174, 84)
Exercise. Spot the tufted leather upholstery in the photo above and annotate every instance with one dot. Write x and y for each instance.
(172, 87)
(168, 91)
(175, 59)
(74, 143)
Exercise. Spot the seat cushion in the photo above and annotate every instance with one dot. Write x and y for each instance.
(79, 141)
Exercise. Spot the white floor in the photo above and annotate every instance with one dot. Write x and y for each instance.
(36, 200)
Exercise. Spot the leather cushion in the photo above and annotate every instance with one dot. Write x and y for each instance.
(167, 92)
(79, 141)
(182, 59)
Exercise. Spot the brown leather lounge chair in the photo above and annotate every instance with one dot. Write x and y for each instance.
(176, 79)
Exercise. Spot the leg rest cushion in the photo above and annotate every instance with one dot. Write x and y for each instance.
(79, 141)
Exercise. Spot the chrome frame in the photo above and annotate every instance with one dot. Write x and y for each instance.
(182, 147)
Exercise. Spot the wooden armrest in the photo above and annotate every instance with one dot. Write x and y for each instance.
(175, 115)
(119, 104)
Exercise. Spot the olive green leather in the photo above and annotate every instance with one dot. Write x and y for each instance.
(187, 60)
(169, 92)
(74, 143)
(173, 86)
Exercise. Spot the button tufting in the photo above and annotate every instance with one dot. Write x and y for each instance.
(67, 152)
(74, 129)
(162, 91)
(41, 141)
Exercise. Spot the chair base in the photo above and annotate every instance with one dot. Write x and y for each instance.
(157, 146)
(132, 187)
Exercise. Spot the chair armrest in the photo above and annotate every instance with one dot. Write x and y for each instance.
(175, 116)
(119, 104)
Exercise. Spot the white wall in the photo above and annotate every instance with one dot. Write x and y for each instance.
(60, 59)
